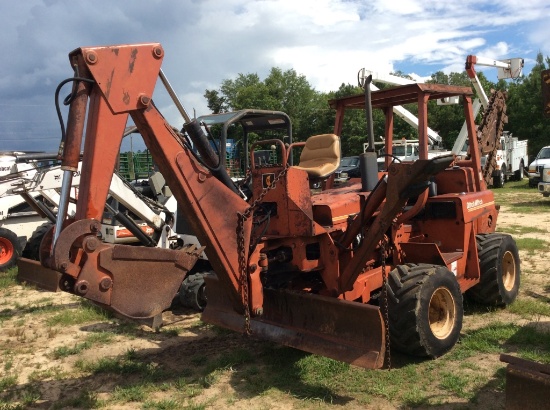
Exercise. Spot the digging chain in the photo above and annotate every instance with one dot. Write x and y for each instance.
(384, 302)
(490, 130)
(242, 217)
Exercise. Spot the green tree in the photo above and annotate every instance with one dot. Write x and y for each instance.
(310, 113)
(354, 127)
(284, 91)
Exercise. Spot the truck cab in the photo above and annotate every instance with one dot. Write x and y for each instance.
(541, 161)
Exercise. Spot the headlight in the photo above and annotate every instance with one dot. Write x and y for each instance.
(546, 174)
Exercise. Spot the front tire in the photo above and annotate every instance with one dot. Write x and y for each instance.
(32, 248)
(10, 249)
(425, 309)
(192, 292)
(499, 268)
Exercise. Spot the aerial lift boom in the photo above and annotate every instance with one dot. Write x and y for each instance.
(405, 114)
(509, 68)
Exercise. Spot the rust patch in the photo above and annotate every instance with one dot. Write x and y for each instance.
(109, 84)
(133, 57)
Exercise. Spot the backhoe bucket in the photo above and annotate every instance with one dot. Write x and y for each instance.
(346, 331)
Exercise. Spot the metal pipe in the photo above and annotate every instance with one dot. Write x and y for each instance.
(200, 140)
(368, 113)
(39, 207)
(63, 204)
(36, 156)
(73, 142)
(174, 96)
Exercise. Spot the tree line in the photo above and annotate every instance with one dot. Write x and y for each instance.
(310, 113)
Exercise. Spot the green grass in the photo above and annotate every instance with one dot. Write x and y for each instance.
(7, 382)
(55, 373)
(20, 399)
(84, 313)
(35, 308)
(129, 364)
(531, 245)
(91, 341)
(428, 382)
(530, 308)
(7, 278)
(456, 383)
(10, 406)
(521, 230)
(85, 400)
(233, 358)
(520, 198)
(173, 380)
(132, 393)
(170, 404)
(139, 379)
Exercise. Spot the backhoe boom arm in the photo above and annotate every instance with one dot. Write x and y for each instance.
(122, 80)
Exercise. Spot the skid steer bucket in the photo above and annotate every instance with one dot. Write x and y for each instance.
(347, 331)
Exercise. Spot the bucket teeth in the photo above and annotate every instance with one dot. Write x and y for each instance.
(193, 250)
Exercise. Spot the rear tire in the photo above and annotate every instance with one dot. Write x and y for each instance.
(500, 270)
(32, 248)
(192, 292)
(10, 249)
(425, 309)
(499, 179)
(520, 173)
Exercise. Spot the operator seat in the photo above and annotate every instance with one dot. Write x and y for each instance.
(320, 156)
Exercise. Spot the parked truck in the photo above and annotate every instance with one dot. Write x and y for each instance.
(511, 159)
(544, 184)
(540, 165)
(541, 161)
(290, 265)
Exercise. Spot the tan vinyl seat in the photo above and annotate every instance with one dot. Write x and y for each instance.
(320, 156)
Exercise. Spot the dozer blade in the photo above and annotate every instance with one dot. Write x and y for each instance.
(32, 272)
(347, 331)
(527, 383)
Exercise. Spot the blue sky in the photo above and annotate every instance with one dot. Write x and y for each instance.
(206, 41)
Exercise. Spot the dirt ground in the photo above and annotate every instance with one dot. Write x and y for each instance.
(28, 345)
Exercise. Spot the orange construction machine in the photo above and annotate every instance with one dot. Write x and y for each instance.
(337, 272)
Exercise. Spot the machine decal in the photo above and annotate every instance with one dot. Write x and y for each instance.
(267, 180)
(478, 204)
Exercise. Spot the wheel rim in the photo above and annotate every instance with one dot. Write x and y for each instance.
(6, 250)
(201, 297)
(508, 271)
(442, 313)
